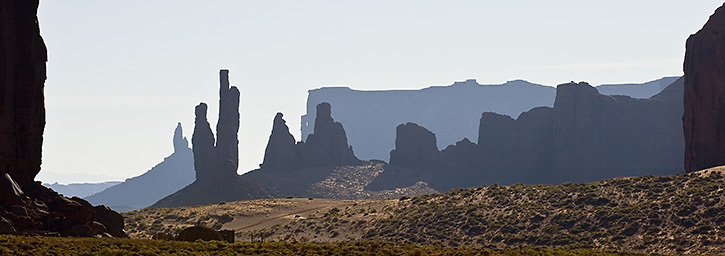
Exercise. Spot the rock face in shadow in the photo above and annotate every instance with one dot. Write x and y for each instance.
(328, 144)
(281, 153)
(371, 117)
(26, 207)
(216, 164)
(22, 110)
(704, 100)
(291, 168)
(586, 136)
(174, 173)
(415, 146)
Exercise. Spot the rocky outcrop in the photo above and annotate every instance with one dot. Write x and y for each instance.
(26, 207)
(704, 100)
(291, 168)
(415, 146)
(586, 136)
(216, 164)
(167, 177)
(327, 146)
(282, 153)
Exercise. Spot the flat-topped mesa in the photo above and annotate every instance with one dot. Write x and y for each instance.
(281, 153)
(704, 100)
(227, 126)
(327, 146)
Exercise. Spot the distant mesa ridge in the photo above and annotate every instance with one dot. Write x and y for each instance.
(167, 177)
(586, 136)
(371, 117)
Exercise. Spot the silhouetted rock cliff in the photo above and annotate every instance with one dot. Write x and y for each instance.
(167, 177)
(323, 165)
(216, 165)
(586, 136)
(370, 117)
(22, 110)
(328, 144)
(415, 146)
(282, 153)
(704, 100)
(26, 207)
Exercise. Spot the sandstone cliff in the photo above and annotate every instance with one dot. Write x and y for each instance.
(370, 117)
(26, 207)
(586, 136)
(704, 99)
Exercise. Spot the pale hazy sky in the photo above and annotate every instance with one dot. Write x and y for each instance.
(121, 74)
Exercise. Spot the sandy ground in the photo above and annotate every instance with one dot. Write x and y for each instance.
(288, 219)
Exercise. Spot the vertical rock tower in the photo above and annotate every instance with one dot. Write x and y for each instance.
(216, 163)
(25, 205)
(221, 161)
(22, 78)
(704, 117)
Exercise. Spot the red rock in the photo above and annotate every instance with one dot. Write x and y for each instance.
(32, 207)
(704, 100)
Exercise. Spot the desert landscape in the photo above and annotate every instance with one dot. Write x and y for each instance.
(575, 169)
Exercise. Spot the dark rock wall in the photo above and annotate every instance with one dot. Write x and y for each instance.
(328, 144)
(22, 77)
(370, 117)
(26, 207)
(586, 136)
(415, 146)
(704, 99)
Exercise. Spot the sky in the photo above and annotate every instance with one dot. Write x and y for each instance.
(121, 74)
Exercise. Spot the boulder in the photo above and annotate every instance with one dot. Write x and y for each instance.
(199, 233)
